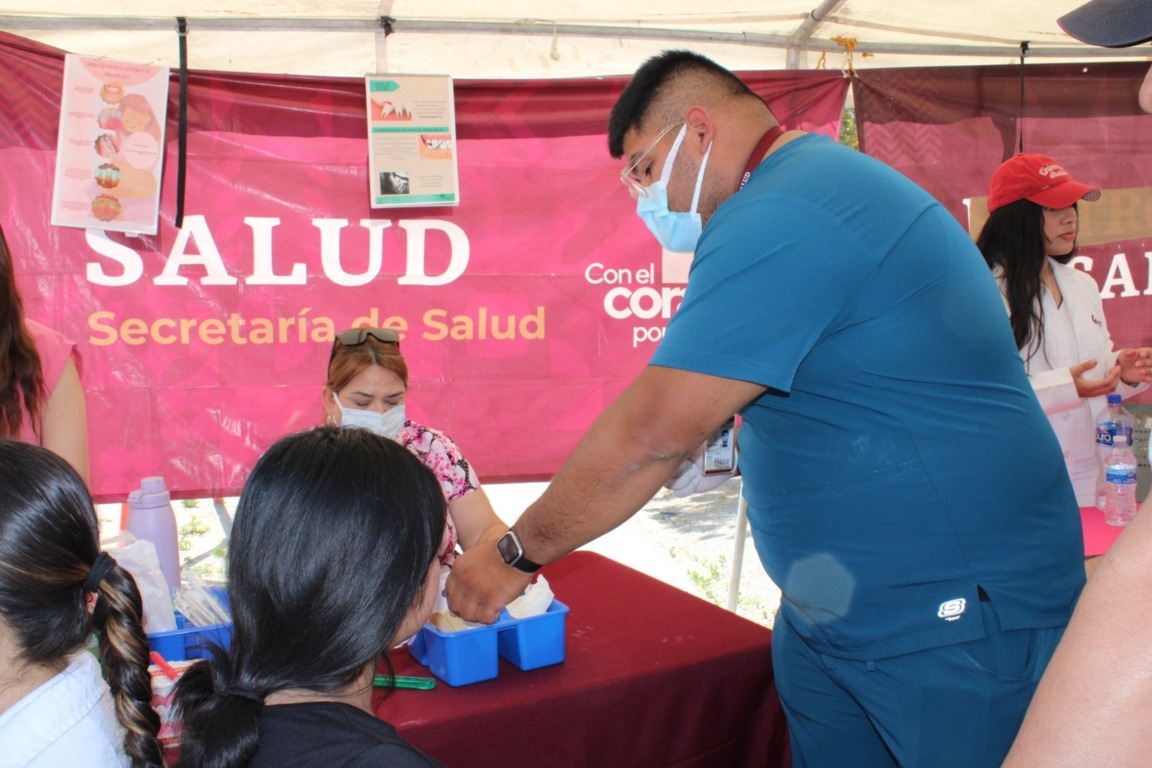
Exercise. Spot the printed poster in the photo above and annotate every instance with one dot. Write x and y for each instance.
(110, 147)
(411, 141)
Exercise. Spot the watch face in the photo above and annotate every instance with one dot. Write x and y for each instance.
(509, 548)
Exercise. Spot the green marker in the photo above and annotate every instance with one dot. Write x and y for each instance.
(401, 681)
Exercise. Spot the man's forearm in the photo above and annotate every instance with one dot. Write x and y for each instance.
(626, 456)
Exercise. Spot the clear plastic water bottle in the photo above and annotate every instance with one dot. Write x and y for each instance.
(1114, 419)
(1120, 474)
(150, 517)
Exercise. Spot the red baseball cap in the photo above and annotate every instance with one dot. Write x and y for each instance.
(1037, 178)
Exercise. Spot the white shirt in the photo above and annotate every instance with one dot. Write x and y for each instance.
(68, 722)
(1073, 332)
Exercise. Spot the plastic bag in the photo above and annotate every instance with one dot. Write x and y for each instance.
(138, 557)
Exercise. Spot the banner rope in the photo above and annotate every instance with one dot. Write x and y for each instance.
(182, 124)
(1020, 115)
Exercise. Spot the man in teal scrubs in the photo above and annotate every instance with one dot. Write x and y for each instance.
(905, 489)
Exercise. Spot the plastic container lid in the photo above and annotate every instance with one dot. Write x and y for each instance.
(1115, 399)
(151, 493)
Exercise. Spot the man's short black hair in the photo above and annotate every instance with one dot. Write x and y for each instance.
(650, 81)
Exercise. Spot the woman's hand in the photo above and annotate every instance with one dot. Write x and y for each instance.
(1086, 387)
(1135, 365)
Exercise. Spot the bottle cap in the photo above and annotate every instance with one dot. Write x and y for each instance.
(151, 493)
(1115, 399)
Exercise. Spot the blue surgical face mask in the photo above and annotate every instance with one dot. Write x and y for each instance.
(675, 230)
(386, 424)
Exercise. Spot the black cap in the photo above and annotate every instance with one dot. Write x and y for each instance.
(1110, 23)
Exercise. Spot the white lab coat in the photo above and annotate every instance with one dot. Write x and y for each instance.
(68, 722)
(1074, 332)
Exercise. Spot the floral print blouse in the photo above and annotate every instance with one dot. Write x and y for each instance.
(440, 454)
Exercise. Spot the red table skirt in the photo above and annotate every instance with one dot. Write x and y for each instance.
(654, 677)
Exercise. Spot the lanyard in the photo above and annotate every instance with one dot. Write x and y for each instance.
(766, 141)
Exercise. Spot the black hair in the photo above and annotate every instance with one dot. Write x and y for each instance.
(653, 79)
(334, 533)
(49, 540)
(22, 387)
(1013, 240)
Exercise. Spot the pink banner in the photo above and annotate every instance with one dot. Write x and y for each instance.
(949, 128)
(524, 311)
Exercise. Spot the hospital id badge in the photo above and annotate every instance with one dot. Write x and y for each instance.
(720, 450)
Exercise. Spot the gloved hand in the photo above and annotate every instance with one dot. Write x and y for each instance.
(690, 477)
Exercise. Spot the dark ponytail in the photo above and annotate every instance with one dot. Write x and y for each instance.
(118, 617)
(50, 561)
(221, 728)
(1013, 240)
(317, 600)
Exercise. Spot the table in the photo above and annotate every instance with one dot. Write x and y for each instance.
(1098, 535)
(653, 677)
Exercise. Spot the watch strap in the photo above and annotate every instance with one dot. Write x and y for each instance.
(517, 560)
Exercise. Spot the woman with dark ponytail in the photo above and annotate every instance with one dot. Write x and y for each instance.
(56, 588)
(332, 561)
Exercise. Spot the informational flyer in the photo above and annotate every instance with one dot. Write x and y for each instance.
(411, 141)
(110, 147)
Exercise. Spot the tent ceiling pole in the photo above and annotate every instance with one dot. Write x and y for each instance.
(542, 28)
(798, 40)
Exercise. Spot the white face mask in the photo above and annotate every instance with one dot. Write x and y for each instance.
(675, 230)
(386, 424)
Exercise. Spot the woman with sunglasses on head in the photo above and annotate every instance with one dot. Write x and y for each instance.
(367, 386)
(41, 398)
(316, 605)
(56, 589)
(1055, 309)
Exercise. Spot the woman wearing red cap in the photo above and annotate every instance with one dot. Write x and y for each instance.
(1091, 707)
(1056, 313)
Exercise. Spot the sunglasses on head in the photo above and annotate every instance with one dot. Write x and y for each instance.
(357, 336)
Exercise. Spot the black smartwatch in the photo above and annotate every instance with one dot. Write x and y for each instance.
(512, 553)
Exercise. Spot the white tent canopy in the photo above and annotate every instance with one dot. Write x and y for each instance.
(534, 39)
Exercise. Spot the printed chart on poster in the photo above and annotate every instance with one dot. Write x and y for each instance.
(411, 141)
(110, 147)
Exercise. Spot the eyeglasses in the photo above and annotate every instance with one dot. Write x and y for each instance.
(627, 176)
(357, 336)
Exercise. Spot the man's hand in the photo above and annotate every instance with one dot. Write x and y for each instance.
(481, 583)
(1094, 387)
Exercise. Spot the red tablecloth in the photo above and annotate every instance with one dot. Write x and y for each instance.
(654, 676)
(1098, 535)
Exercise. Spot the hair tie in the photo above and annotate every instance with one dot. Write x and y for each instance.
(244, 693)
(100, 568)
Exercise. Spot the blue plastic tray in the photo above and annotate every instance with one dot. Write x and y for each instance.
(472, 655)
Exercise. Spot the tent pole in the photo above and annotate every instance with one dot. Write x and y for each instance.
(539, 29)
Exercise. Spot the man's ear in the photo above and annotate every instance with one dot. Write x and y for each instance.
(701, 130)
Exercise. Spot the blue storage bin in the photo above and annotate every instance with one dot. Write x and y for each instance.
(473, 655)
(535, 641)
(191, 642)
(458, 658)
